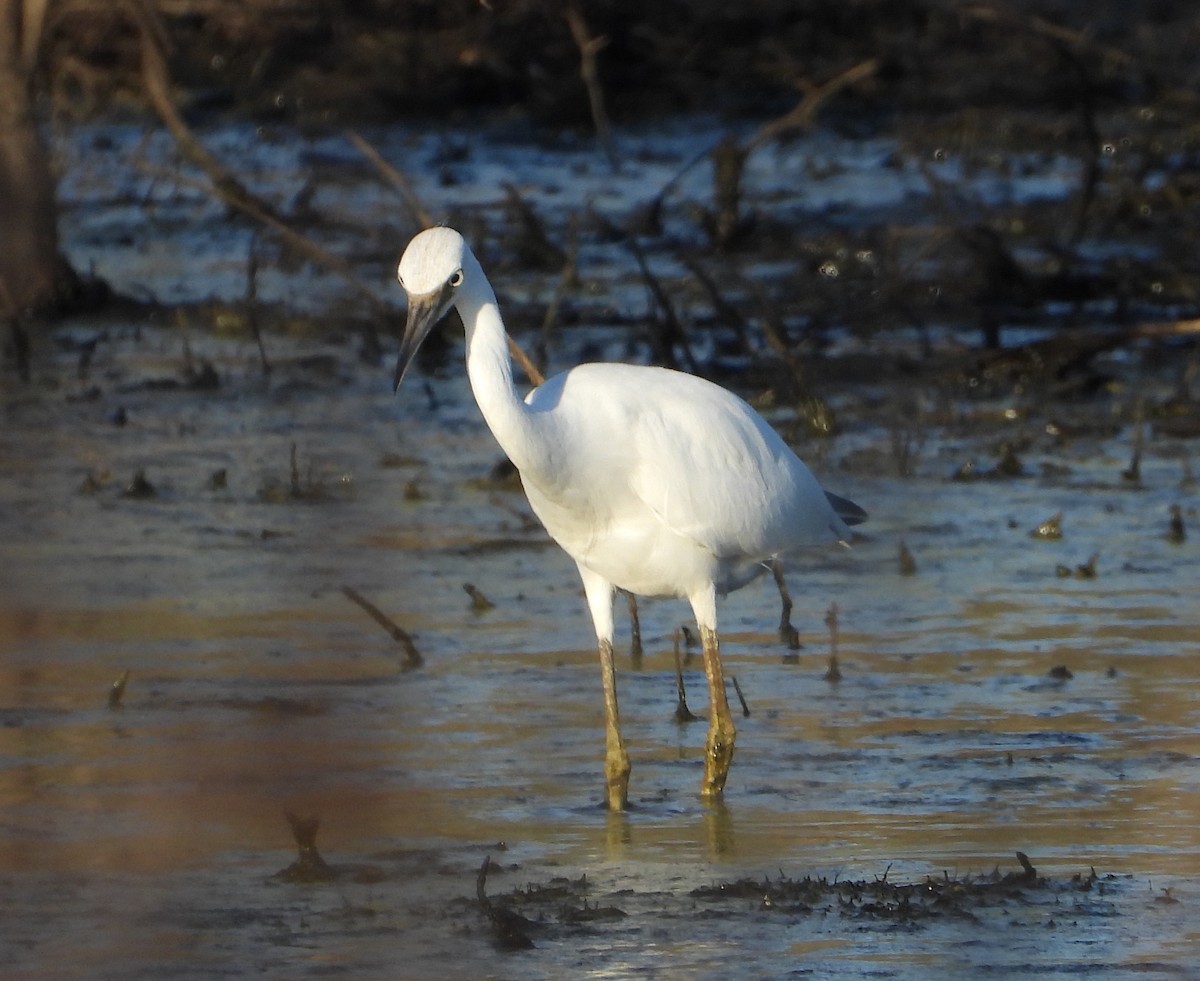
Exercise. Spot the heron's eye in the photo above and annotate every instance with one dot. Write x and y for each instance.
(457, 278)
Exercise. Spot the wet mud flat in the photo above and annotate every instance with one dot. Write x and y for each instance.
(1028, 684)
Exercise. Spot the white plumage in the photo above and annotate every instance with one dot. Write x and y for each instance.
(653, 481)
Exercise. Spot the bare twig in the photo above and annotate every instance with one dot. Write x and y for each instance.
(224, 183)
(682, 712)
(510, 927)
(588, 48)
(670, 330)
(635, 629)
(741, 698)
(1048, 29)
(729, 158)
(412, 657)
(801, 115)
(394, 177)
(117, 691)
(33, 18)
(531, 370)
(721, 306)
(252, 305)
(568, 276)
(834, 673)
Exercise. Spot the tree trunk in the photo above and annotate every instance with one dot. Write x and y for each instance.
(32, 273)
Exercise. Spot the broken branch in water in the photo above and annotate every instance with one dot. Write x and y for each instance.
(309, 866)
(479, 602)
(833, 673)
(741, 698)
(635, 629)
(252, 304)
(510, 927)
(117, 691)
(682, 712)
(413, 657)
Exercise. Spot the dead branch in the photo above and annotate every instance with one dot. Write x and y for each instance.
(588, 48)
(669, 331)
(226, 186)
(117, 691)
(635, 630)
(833, 673)
(395, 178)
(682, 712)
(33, 19)
(511, 928)
(251, 303)
(729, 158)
(721, 306)
(802, 115)
(741, 698)
(412, 658)
(568, 276)
(1047, 29)
(531, 370)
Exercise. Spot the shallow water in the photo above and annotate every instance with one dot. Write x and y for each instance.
(141, 841)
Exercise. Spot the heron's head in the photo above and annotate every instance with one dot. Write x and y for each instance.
(431, 270)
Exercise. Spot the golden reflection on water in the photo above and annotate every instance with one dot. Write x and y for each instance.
(209, 751)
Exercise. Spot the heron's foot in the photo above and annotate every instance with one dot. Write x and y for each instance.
(718, 755)
(616, 774)
(789, 635)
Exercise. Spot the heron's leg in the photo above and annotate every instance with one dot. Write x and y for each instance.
(787, 633)
(718, 748)
(616, 760)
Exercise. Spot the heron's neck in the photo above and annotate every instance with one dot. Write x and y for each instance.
(489, 368)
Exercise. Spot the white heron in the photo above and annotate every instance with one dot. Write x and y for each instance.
(654, 481)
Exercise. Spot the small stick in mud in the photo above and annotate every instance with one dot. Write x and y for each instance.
(1088, 569)
(309, 866)
(741, 698)
(1177, 532)
(117, 691)
(1050, 529)
(251, 302)
(833, 673)
(1133, 473)
(635, 629)
(682, 712)
(479, 602)
(908, 565)
(511, 929)
(412, 657)
(294, 473)
(1027, 866)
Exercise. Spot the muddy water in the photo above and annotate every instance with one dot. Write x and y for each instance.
(144, 840)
